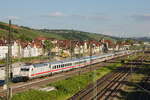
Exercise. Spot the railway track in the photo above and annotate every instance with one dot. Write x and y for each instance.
(103, 84)
(36, 83)
(144, 92)
(113, 85)
(107, 87)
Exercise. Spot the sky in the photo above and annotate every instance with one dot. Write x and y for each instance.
(121, 18)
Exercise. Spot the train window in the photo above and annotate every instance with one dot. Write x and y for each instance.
(61, 65)
(24, 69)
(45, 64)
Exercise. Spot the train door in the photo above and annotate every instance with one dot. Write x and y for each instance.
(31, 71)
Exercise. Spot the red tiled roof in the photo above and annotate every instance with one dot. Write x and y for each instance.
(40, 38)
(38, 44)
(23, 45)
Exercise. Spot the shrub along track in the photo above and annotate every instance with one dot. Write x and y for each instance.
(107, 87)
(36, 83)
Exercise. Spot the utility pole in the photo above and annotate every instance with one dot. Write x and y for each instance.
(10, 51)
(93, 74)
(71, 49)
(8, 69)
(90, 55)
(79, 50)
(95, 85)
(83, 49)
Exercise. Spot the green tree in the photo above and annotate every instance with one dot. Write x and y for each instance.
(130, 41)
(140, 42)
(71, 49)
(48, 45)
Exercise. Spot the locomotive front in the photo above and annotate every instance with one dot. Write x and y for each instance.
(25, 72)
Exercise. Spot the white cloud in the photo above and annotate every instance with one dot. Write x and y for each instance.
(75, 16)
(89, 17)
(107, 33)
(56, 14)
(10, 17)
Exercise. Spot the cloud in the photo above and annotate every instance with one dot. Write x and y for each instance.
(75, 16)
(89, 17)
(108, 33)
(55, 14)
(10, 17)
(141, 17)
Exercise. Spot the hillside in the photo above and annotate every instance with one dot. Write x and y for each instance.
(76, 35)
(26, 33)
(144, 39)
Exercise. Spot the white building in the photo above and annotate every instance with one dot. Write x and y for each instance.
(30, 50)
(4, 49)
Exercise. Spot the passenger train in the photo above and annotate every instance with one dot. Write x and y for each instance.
(30, 71)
